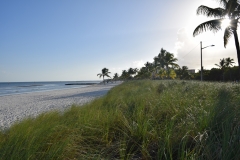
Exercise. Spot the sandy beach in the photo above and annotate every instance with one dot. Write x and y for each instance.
(14, 108)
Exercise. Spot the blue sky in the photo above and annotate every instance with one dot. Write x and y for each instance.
(57, 40)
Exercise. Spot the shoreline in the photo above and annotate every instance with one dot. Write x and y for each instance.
(16, 107)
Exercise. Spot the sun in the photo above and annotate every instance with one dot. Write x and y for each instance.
(225, 23)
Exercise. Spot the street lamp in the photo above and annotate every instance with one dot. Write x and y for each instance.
(201, 58)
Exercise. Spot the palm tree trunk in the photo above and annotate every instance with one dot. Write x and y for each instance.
(237, 48)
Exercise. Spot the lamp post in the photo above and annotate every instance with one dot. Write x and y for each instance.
(201, 59)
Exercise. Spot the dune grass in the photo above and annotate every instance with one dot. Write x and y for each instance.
(136, 120)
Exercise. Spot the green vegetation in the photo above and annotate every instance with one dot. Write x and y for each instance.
(164, 66)
(136, 120)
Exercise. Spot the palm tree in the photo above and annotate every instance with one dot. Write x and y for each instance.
(230, 10)
(105, 72)
(229, 62)
(124, 75)
(156, 67)
(115, 77)
(160, 59)
(165, 59)
(183, 73)
(172, 74)
(162, 73)
(149, 66)
(132, 71)
(143, 73)
(222, 64)
(170, 60)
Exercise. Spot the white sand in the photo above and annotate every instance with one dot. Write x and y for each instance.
(16, 107)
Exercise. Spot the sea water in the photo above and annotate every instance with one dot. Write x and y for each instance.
(10, 88)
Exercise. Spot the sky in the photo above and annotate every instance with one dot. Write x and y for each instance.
(72, 40)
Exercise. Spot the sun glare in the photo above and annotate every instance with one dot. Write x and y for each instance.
(225, 23)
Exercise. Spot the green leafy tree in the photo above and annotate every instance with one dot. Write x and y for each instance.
(132, 72)
(149, 66)
(143, 73)
(156, 68)
(160, 58)
(183, 73)
(170, 61)
(124, 75)
(165, 60)
(230, 10)
(172, 74)
(104, 73)
(162, 73)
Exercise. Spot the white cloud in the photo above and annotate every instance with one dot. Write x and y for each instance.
(134, 64)
(115, 70)
(187, 49)
(138, 64)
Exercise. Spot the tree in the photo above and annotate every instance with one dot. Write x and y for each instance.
(222, 64)
(172, 74)
(165, 59)
(229, 62)
(132, 71)
(124, 75)
(162, 73)
(115, 77)
(230, 10)
(170, 60)
(156, 68)
(183, 73)
(160, 59)
(105, 72)
(149, 66)
(143, 73)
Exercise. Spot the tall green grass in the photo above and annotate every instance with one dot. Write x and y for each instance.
(136, 120)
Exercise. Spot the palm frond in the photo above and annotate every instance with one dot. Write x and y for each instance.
(175, 65)
(234, 24)
(223, 2)
(227, 34)
(108, 76)
(100, 75)
(236, 13)
(220, 67)
(232, 5)
(211, 12)
(212, 25)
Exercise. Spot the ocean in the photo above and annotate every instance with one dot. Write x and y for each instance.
(10, 88)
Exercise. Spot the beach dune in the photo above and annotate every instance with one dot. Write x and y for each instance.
(14, 108)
